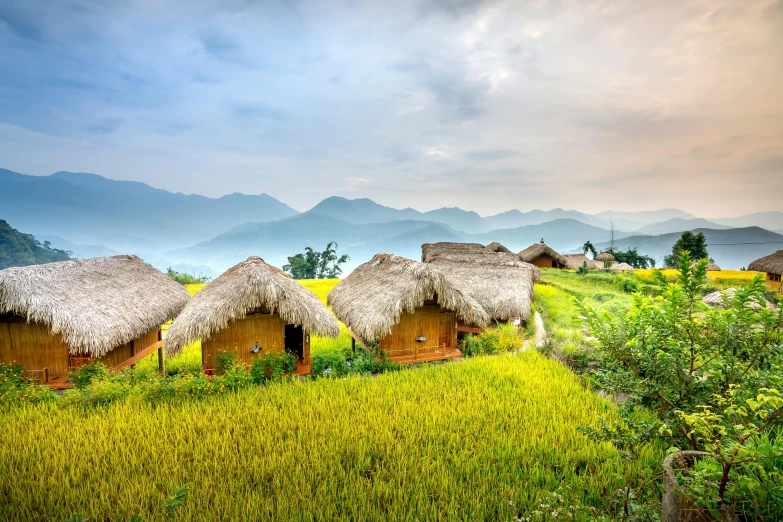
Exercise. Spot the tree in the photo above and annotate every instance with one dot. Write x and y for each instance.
(695, 244)
(633, 258)
(712, 378)
(611, 235)
(184, 278)
(316, 265)
(18, 249)
(589, 246)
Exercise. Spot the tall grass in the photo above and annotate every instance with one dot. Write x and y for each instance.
(477, 440)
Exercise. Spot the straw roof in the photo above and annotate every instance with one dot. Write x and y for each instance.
(537, 250)
(711, 267)
(250, 285)
(575, 261)
(717, 299)
(498, 280)
(95, 304)
(604, 256)
(497, 247)
(372, 298)
(622, 267)
(772, 264)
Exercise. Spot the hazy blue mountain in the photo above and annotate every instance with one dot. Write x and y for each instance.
(731, 248)
(772, 220)
(78, 251)
(646, 216)
(560, 234)
(407, 244)
(361, 211)
(124, 215)
(516, 218)
(277, 240)
(679, 225)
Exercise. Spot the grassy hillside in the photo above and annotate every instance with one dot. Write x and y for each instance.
(479, 440)
(18, 249)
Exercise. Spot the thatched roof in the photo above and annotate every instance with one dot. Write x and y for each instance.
(622, 267)
(718, 299)
(575, 261)
(711, 267)
(604, 257)
(372, 298)
(95, 304)
(497, 247)
(537, 250)
(498, 280)
(250, 285)
(772, 264)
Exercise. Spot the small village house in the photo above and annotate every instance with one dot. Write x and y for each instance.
(606, 259)
(621, 267)
(59, 316)
(772, 265)
(252, 309)
(542, 256)
(497, 279)
(412, 309)
(575, 261)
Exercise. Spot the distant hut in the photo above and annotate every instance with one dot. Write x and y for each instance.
(250, 310)
(411, 308)
(711, 267)
(575, 261)
(719, 299)
(497, 279)
(606, 258)
(542, 256)
(773, 266)
(59, 316)
(621, 267)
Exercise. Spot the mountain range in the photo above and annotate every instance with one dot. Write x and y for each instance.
(90, 215)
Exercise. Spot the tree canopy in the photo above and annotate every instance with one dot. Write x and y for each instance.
(316, 265)
(694, 244)
(18, 249)
(633, 258)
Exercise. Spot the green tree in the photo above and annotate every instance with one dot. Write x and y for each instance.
(695, 244)
(184, 278)
(316, 265)
(633, 258)
(589, 246)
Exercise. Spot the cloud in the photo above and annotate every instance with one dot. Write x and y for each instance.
(490, 154)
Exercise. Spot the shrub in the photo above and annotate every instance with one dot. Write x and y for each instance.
(224, 361)
(711, 376)
(582, 270)
(334, 364)
(627, 285)
(272, 366)
(83, 376)
(15, 388)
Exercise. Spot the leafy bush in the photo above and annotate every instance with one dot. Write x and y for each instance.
(184, 278)
(83, 376)
(272, 366)
(502, 338)
(602, 296)
(15, 388)
(334, 364)
(711, 376)
(627, 285)
(224, 361)
(582, 270)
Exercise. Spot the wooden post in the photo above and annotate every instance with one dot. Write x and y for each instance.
(161, 363)
(46, 375)
(353, 345)
(133, 351)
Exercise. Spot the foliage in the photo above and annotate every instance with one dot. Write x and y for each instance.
(583, 270)
(176, 500)
(695, 244)
(224, 361)
(83, 376)
(633, 258)
(184, 278)
(711, 376)
(316, 265)
(589, 246)
(478, 440)
(14, 388)
(272, 366)
(627, 284)
(18, 249)
(502, 338)
(346, 362)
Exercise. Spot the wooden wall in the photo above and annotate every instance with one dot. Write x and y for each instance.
(545, 261)
(266, 330)
(34, 347)
(774, 281)
(430, 321)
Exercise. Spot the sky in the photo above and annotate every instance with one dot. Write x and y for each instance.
(485, 105)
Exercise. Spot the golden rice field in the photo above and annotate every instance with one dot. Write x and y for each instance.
(476, 440)
(716, 275)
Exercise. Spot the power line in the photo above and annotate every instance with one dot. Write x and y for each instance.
(764, 243)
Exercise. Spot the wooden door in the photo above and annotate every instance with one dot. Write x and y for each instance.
(446, 329)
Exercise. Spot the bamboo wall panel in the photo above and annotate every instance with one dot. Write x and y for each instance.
(426, 321)
(123, 353)
(32, 345)
(266, 330)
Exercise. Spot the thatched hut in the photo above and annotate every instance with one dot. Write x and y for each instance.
(718, 298)
(606, 259)
(497, 279)
(711, 267)
(250, 310)
(59, 316)
(542, 256)
(621, 267)
(411, 308)
(575, 261)
(772, 265)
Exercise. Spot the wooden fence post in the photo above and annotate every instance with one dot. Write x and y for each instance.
(161, 363)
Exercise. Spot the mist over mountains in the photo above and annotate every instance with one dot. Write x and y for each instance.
(92, 216)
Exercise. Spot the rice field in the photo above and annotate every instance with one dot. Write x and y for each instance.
(476, 440)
